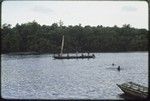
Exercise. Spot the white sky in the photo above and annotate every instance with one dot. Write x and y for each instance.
(93, 13)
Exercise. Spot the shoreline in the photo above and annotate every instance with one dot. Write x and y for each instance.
(38, 53)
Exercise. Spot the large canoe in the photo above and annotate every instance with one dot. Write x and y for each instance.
(74, 57)
(71, 57)
(134, 89)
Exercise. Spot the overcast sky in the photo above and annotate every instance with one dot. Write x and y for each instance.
(93, 13)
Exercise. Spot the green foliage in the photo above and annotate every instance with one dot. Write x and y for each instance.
(32, 37)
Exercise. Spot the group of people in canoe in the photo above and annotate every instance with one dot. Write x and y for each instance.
(82, 55)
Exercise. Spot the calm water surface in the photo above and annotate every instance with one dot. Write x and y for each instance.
(42, 77)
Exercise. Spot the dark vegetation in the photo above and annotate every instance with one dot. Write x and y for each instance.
(33, 37)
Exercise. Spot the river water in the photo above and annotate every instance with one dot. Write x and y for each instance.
(42, 77)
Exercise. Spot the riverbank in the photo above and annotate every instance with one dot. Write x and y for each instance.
(22, 53)
(38, 53)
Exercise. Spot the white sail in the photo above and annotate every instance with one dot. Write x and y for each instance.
(62, 45)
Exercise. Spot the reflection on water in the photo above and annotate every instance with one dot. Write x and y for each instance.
(40, 76)
(129, 97)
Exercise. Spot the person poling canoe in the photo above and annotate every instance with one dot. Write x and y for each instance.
(118, 68)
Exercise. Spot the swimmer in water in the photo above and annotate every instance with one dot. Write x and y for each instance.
(113, 64)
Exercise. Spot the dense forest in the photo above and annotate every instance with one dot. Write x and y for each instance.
(33, 37)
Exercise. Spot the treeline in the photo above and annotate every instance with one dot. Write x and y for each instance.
(33, 37)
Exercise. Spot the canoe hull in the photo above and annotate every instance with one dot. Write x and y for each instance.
(133, 92)
(73, 57)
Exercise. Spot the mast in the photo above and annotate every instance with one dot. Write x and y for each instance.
(62, 45)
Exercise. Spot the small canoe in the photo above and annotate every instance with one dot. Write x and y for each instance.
(134, 89)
